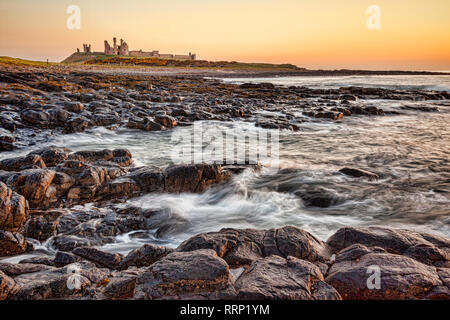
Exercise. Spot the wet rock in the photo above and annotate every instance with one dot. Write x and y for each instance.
(52, 155)
(34, 185)
(193, 178)
(45, 260)
(100, 258)
(318, 197)
(242, 247)
(119, 156)
(68, 242)
(186, 275)
(16, 269)
(64, 258)
(21, 163)
(6, 140)
(421, 108)
(421, 246)
(73, 106)
(121, 287)
(400, 277)
(7, 285)
(13, 209)
(358, 173)
(349, 97)
(329, 115)
(144, 256)
(118, 188)
(276, 278)
(40, 228)
(76, 124)
(149, 179)
(429, 254)
(53, 283)
(11, 243)
(165, 120)
(36, 117)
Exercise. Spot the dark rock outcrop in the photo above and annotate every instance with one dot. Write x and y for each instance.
(11, 243)
(186, 275)
(242, 247)
(99, 258)
(144, 256)
(276, 278)
(359, 173)
(400, 277)
(13, 209)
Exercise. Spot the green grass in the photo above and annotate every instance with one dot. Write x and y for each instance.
(24, 62)
(104, 60)
(101, 59)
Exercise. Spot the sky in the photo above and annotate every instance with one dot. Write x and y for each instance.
(318, 34)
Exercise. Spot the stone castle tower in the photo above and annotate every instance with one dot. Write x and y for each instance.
(121, 49)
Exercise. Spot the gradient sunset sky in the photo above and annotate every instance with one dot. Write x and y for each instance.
(414, 34)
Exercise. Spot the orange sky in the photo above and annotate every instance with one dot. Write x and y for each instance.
(414, 34)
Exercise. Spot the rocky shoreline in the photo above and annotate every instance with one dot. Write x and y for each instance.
(286, 263)
(73, 201)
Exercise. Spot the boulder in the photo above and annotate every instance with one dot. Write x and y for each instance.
(144, 256)
(6, 140)
(22, 163)
(400, 277)
(120, 156)
(358, 173)
(34, 185)
(276, 278)
(121, 285)
(7, 285)
(64, 258)
(149, 178)
(13, 209)
(423, 247)
(52, 155)
(242, 247)
(58, 282)
(193, 178)
(11, 243)
(318, 197)
(36, 117)
(16, 269)
(100, 258)
(165, 120)
(40, 228)
(200, 274)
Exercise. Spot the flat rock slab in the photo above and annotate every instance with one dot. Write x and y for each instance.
(423, 247)
(242, 247)
(276, 278)
(360, 273)
(186, 275)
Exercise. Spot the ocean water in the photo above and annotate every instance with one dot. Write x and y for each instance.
(400, 82)
(410, 153)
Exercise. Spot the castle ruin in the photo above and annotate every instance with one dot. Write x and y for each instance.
(122, 49)
(86, 48)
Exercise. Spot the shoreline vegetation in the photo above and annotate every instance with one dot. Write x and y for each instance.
(224, 69)
(42, 194)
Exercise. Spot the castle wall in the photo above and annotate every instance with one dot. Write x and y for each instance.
(122, 49)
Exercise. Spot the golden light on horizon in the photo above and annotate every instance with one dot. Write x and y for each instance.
(414, 34)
